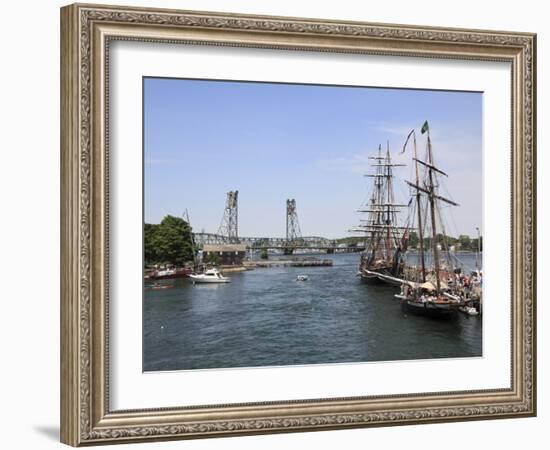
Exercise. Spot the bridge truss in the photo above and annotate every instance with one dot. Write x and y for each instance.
(270, 243)
(228, 233)
(229, 226)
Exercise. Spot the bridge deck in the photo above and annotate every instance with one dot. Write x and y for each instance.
(261, 243)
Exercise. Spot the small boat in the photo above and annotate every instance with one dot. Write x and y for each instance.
(156, 286)
(302, 278)
(210, 276)
(169, 273)
(469, 310)
(164, 273)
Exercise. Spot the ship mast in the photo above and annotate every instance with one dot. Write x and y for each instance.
(432, 213)
(430, 191)
(192, 240)
(374, 211)
(384, 208)
(381, 208)
(419, 210)
(389, 199)
(379, 182)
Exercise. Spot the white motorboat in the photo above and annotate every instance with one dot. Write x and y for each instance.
(210, 276)
(469, 310)
(302, 278)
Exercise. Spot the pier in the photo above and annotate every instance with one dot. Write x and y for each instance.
(299, 262)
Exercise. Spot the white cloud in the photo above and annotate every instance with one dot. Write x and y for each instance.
(399, 130)
(356, 163)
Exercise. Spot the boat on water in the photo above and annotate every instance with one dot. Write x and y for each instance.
(302, 278)
(469, 310)
(426, 300)
(210, 276)
(157, 286)
(386, 241)
(435, 290)
(169, 273)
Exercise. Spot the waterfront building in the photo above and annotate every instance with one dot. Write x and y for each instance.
(224, 254)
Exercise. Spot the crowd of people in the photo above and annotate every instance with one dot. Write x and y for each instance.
(467, 282)
(467, 285)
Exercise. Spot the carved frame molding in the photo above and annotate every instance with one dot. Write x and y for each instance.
(86, 32)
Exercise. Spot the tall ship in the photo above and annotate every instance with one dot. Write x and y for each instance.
(385, 240)
(432, 284)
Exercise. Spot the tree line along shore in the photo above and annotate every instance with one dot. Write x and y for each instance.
(171, 242)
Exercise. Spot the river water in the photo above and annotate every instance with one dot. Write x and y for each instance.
(265, 317)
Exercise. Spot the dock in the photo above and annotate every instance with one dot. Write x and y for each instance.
(305, 262)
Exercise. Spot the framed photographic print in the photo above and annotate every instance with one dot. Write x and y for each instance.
(275, 224)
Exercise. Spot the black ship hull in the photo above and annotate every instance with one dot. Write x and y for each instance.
(430, 309)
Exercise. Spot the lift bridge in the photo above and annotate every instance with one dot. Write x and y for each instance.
(228, 233)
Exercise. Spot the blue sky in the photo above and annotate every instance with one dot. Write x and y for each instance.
(277, 141)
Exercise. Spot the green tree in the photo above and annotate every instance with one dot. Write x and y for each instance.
(465, 242)
(150, 253)
(168, 242)
(413, 239)
(213, 259)
(475, 243)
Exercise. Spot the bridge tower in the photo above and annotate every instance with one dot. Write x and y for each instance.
(293, 233)
(229, 226)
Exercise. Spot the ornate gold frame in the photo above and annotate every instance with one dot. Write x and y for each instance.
(86, 31)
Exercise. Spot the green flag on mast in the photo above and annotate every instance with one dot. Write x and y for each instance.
(425, 127)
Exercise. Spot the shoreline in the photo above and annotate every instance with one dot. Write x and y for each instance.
(289, 263)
